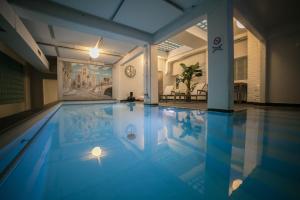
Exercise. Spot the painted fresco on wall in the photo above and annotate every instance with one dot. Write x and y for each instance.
(86, 82)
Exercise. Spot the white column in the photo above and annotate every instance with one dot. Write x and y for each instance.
(220, 56)
(150, 75)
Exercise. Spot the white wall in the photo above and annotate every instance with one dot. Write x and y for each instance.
(255, 69)
(50, 91)
(191, 60)
(123, 85)
(198, 58)
(161, 62)
(284, 69)
(240, 48)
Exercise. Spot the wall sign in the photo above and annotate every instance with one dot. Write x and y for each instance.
(217, 44)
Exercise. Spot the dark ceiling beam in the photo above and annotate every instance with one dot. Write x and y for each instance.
(51, 31)
(84, 49)
(57, 52)
(175, 5)
(117, 10)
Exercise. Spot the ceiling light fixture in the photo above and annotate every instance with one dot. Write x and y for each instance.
(95, 52)
(239, 25)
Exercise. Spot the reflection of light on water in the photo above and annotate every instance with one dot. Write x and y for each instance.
(235, 185)
(97, 152)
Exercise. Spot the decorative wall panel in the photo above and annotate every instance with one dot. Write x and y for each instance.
(86, 81)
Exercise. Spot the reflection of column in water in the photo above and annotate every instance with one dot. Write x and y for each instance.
(253, 141)
(218, 155)
(151, 114)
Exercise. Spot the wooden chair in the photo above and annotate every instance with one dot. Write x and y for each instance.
(200, 91)
(168, 94)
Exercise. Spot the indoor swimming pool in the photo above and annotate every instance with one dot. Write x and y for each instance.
(135, 151)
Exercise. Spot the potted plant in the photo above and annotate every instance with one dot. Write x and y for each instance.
(188, 73)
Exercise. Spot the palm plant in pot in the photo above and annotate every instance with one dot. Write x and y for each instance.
(188, 73)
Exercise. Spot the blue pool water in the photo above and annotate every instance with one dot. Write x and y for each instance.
(132, 151)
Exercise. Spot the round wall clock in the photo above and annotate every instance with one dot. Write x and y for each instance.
(130, 71)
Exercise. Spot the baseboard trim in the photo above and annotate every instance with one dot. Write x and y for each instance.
(151, 104)
(220, 110)
(274, 104)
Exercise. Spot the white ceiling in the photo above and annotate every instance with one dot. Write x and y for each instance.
(81, 55)
(48, 50)
(144, 16)
(187, 39)
(39, 30)
(147, 15)
(186, 4)
(100, 8)
(73, 41)
(74, 37)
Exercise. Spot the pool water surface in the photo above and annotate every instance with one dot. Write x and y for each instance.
(134, 151)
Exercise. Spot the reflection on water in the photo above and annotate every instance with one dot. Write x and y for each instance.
(160, 153)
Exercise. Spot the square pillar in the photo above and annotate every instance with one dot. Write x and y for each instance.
(150, 75)
(220, 56)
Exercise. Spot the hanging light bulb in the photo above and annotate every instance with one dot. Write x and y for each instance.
(95, 52)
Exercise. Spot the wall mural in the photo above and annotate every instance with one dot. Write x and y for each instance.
(86, 81)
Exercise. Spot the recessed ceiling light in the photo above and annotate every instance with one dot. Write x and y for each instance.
(239, 25)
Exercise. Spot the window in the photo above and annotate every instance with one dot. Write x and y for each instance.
(11, 80)
(240, 69)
